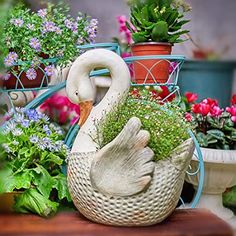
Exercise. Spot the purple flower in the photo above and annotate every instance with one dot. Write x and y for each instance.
(42, 13)
(30, 26)
(58, 30)
(80, 40)
(35, 44)
(34, 139)
(8, 61)
(92, 29)
(32, 114)
(49, 70)
(25, 123)
(17, 22)
(68, 24)
(13, 56)
(49, 26)
(47, 130)
(75, 28)
(31, 74)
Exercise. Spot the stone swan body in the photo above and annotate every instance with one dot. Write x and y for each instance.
(119, 184)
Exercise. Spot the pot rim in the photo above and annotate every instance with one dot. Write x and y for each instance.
(152, 43)
(218, 156)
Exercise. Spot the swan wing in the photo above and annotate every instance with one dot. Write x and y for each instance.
(124, 167)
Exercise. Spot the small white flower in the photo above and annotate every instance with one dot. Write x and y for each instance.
(17, 132)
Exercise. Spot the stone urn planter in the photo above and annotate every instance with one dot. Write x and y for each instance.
(220, 173)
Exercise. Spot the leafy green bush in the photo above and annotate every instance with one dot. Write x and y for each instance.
(165, 124)
(158, 20)
(33, 153)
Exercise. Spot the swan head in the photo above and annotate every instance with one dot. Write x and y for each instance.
(79, 87)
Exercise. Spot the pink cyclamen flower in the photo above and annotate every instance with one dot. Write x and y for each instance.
(233, 118)
(49, 70)
(31, 74)
(231, 110)
(204, 109)
(216, 111)
(188, 117)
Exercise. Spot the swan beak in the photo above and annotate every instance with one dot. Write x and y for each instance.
(85, 109)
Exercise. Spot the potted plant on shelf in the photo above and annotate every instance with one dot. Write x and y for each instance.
(216, 133)
(31, 178)
(155, 26)
(36, 41)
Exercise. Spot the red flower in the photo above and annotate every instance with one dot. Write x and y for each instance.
(188, 116)
(195, 108)
(211, 102)
(165, 93)
(135, 93)
(191, 97)
(233, 101)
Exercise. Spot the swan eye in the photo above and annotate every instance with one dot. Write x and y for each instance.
(76, 93)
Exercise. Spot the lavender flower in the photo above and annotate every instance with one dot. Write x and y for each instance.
(31, 74)
(30, 26)
(33, 115)
(17, 22)
(42, 13)
(45, 118)
(25, 123)
(58, 30)
(49, 26)
(35, 44)
(41, 144)
(92, 29)
(49, 70)
(8, 61)
(34, 139)
(68, 24)
(80, 40)
(20, 110)
(75, 28)
(13, 56)
(19, 118)
(47, 130)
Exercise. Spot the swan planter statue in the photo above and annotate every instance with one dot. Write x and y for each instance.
(118, 184)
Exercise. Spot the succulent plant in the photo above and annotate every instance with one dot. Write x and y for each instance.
(158, 20)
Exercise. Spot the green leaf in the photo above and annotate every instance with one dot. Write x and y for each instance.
(202, 139)
(9, 181)
(160, 31)
(60, 184)
(31, 201)
(139, 37)
(42, 180)
(216, 134)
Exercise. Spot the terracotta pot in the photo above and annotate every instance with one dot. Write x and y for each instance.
(11, 83)
(7, 201)
(159, 68)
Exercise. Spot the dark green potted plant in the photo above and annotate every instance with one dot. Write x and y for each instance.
(156, 25)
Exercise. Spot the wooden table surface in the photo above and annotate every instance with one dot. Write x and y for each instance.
(181, 223)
